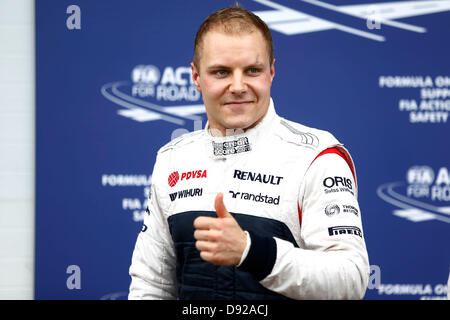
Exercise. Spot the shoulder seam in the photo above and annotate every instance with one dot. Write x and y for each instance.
(181, 140)
(306, 138)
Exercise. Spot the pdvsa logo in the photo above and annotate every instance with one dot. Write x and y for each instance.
(174, 177)
(424, 195)
(157, 93)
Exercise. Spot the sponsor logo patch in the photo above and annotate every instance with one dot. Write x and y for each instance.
(255, 197)
(338, 230)
(231, 147)
(174, 177)
(196, 192)
(351, 209)
(338, 184)
(332, 210)
(258, 177)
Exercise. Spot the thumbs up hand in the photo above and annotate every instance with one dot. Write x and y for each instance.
(221, 210)
(220, 240)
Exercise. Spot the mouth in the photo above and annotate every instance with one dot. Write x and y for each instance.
(238, 103)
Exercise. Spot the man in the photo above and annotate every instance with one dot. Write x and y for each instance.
(254, 206)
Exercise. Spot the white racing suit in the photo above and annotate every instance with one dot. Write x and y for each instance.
(292, 188)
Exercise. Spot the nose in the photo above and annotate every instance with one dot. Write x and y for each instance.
(238, 85)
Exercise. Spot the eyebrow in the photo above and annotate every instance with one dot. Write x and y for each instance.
(221, 66)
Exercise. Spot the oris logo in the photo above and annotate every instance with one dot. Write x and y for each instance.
(331, 182)
(338, 184)
(174, 177)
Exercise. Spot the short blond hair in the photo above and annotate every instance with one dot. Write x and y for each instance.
(232, 20)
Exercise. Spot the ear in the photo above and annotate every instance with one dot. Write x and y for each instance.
(272, 70)
(195, 76)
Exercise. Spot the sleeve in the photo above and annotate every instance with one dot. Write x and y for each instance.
(332, 261)
(153, 262)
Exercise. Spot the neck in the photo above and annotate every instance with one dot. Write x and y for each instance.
(216, 130)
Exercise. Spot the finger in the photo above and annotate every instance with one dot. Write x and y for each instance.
(213, 258)
(205, 223)
(201, 235)
(206, 235)
(221, 210)
(206, 246)
(207, 256)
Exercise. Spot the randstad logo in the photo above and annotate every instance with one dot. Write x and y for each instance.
(425, 195)
(154, 93)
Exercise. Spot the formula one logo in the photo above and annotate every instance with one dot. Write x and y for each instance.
(363, 20)
(167, 94)
(425, 195)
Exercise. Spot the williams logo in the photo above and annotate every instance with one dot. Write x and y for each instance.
(167, 94)
(425, 195)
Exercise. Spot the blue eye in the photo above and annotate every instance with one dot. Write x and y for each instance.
(221, 73)
(253, 70)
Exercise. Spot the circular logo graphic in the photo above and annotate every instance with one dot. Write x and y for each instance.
(332, 209)
(173, 178)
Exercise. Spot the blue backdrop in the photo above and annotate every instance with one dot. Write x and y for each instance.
(113, 85)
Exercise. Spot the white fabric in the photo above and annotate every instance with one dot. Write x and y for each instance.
(323, 266)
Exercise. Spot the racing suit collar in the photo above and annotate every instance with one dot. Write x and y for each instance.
(222, 147)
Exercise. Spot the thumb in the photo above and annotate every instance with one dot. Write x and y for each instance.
(221, 210)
